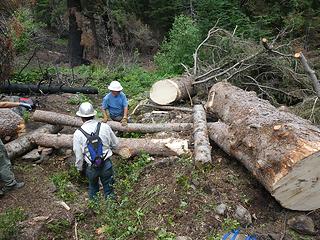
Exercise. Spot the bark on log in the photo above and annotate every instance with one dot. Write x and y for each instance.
(279, 148)
(31, 88)
(168, 91)
(63, 119)
(23, 144)
(11, 124)
(127, 147)
(202, 148)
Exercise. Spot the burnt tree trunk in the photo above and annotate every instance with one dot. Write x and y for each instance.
(66, 120)
(279, 148)
(22, 145)
(168, 91)
(127, 147)
(44, 88)
(11, 124)
(202, 148)
(75, 48)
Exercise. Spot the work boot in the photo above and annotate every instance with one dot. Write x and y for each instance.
(16, 186)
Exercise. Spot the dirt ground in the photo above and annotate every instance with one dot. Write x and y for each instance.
(175, 195)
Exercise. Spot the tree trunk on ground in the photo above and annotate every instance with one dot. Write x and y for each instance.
(127, 147)
(75, 48)
(279, 148)
(33, 88)
(168, 91)
(63, 119)
(202, 148)
(23, 144)
(11, 124)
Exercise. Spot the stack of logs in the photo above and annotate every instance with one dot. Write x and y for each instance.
(280, 149)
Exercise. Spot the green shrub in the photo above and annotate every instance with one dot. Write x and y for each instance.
(23, 28)
(183, 39)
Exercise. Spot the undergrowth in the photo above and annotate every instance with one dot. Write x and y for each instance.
(9, 223)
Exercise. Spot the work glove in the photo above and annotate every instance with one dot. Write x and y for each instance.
(105, 117)
(26, 105)
(124, 121)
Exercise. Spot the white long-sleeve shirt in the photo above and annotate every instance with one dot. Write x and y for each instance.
(108, 138)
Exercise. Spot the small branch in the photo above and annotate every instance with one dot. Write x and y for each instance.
(183, 109)
(195, 55)
(186, 68)
(269, 48)
(313, 107)
(309, 71)
(228, 69)
(191, 102)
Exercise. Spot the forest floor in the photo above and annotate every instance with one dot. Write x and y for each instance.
(168, 197)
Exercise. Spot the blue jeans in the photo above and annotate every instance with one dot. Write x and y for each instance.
(105, 173)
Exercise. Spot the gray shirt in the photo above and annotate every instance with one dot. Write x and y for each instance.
(108, 138)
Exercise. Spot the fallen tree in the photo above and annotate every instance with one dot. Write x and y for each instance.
(45, 88)
(127, 147)
(66, 120)
(279, 148)
(11, 124)
(168, 91)
(23, 144)
(202, 148)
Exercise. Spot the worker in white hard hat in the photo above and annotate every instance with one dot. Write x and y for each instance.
(92, 144)
(115, 104)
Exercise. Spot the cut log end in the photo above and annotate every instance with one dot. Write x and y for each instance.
(299, 189)
(164, 92)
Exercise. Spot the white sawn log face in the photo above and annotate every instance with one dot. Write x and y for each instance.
(164, 92)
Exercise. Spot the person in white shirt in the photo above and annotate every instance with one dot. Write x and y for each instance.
(84, 163)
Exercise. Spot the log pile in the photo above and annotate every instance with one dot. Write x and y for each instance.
(280, 149)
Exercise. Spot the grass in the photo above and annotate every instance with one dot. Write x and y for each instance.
(9, 223)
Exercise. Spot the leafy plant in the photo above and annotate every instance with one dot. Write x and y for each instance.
(62, 181)
(59, 227)
(9, 222)
(163, 234)
(179, 47)
(23, 27)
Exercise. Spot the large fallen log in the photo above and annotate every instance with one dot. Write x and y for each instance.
(11, 124)
(39, 88)
(23, 144)
(279, 148)
(168, 91)
(202, 148)
(127, 147)
(66, 120)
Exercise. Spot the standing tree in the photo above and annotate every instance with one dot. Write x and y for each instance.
(75, 48)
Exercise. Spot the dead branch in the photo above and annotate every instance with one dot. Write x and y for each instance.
(309, 71)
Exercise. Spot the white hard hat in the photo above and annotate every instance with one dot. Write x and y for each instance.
(115, 86)
(86, 110)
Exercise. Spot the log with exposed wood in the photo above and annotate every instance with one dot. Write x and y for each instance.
(66, 120)
(279, 148)
(23, 144)
(202, 148)
(168, 91)
(127, 147)
(11, 124)
(44, 88)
